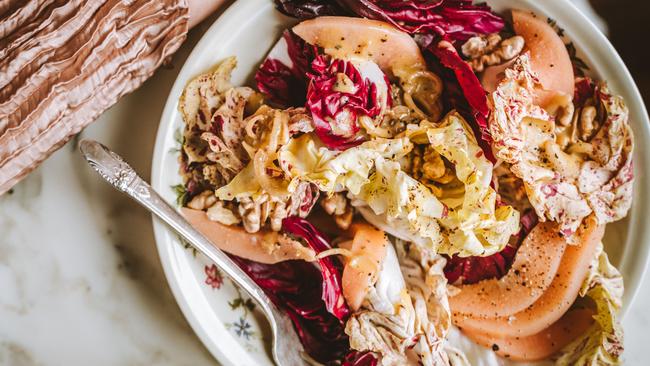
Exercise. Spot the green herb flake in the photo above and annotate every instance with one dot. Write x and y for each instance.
(181, 194)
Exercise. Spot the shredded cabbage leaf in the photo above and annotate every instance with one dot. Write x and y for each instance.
(369, 172)
(306, 158)
(372, 174)
(603, 342)
(477, 226)
(607, 180)
(563, 184)
(402, 199)
(406, 315)
(243, 184)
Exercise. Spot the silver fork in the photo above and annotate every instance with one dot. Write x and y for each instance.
(287, 349)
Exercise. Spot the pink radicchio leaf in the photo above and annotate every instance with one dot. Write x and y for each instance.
(585, 90)
(474, 95)
(330, 267)
(335, 110)
(309, 199)
(457, 20)
(356, 358)
(283, 84)
(295, 287)
(528, 221)
(474, 269)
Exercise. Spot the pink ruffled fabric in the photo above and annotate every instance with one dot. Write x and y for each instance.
(63, 62)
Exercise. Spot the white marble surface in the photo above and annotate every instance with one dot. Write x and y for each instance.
(80, 279)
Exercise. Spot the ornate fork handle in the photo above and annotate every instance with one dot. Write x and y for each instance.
(114, 170)
(120, 174)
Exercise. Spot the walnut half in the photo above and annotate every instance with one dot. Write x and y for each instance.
(429, 166)
(491, 50)
(202, 201)
(338, 206)
(588, 122)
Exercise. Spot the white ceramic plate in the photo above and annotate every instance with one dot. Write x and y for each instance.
(248, 29)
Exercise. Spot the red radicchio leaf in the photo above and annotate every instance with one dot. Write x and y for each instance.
(334, 111)
(295, 286)
(309, 199)
(454, 19)
(467, 79)
(472, 92)
(528, 221)
(474, 269)
(217, 124)
(470, 270)
(584, 90)
(276, 80)
(286, 85)
(356, 358)
(330, 268)
(306, 9)
(192, 187)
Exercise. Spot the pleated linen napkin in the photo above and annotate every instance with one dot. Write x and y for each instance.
(64, 62)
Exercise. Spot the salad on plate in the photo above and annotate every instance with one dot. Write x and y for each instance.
(418, 183)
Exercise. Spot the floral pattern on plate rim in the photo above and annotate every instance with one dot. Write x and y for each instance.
(215, 280)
